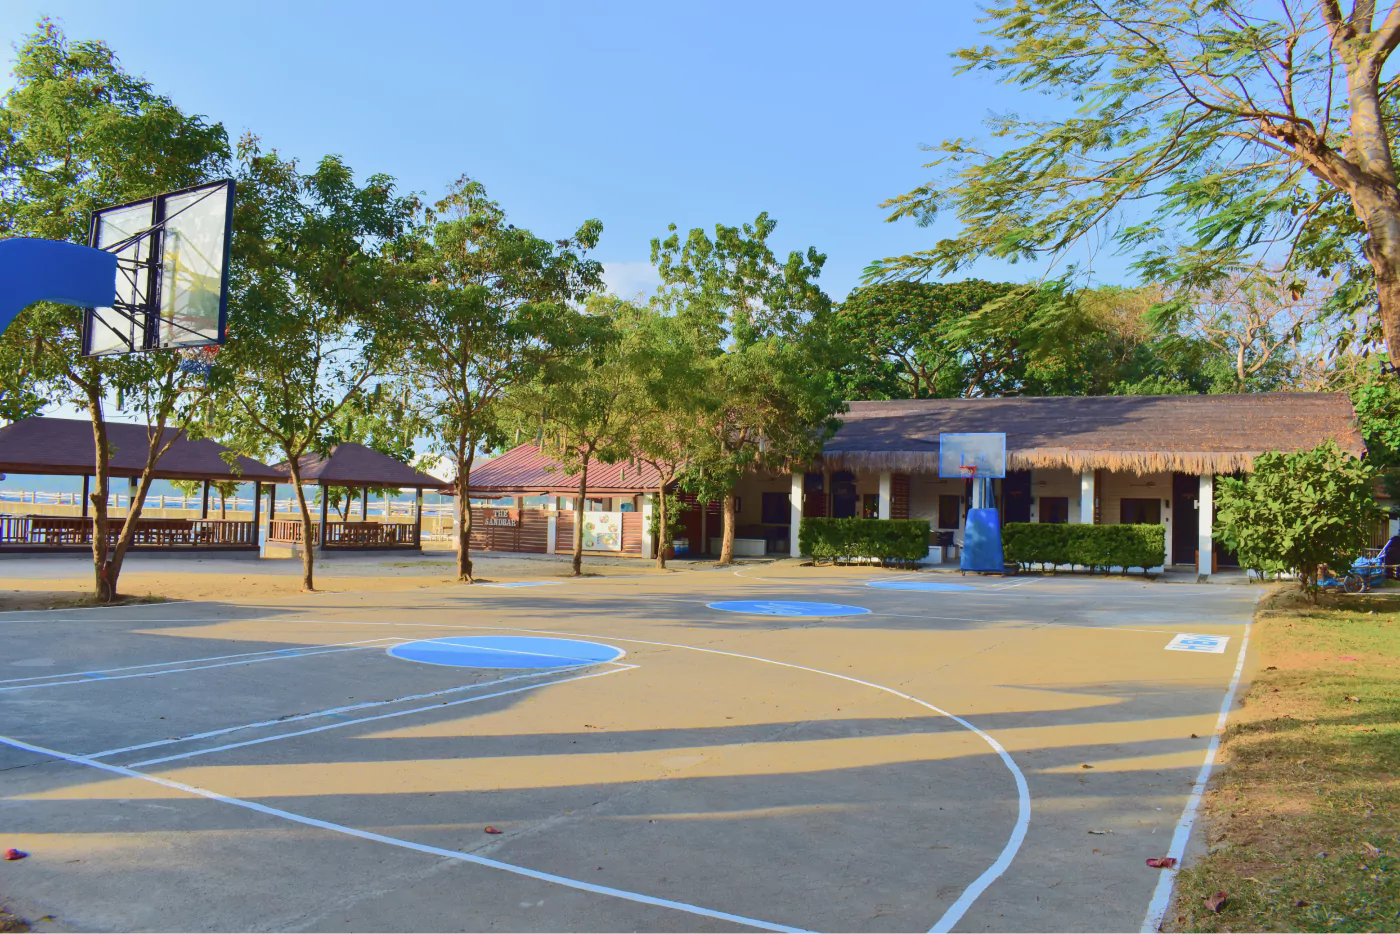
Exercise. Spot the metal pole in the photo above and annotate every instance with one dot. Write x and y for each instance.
(204, 502)
(86, 502)
(364, 503)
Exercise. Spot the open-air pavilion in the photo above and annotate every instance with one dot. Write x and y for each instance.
(66, 447)
(354, 466)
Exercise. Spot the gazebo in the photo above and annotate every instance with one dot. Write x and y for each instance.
(66, 447)
(354, 466)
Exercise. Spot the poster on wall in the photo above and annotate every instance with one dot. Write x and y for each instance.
(602, 531)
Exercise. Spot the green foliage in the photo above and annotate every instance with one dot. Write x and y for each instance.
(1198, 134)
(761, 390)
(673, 520)
(972, 338)
(887, 539)
(1091, 546)
(1298, 511)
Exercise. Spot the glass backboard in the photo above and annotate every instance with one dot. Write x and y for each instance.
(172, 271)
(984, 452)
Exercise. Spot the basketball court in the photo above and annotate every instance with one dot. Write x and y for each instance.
(774, 748)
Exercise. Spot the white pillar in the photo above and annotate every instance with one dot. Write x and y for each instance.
(648, 507)
(886, 488)
(1205, 505)
(1086, 497)
(795, 514)
(551, 542)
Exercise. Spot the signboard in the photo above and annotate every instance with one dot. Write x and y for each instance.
(602, 531)
(1191, 642)
(503, 517)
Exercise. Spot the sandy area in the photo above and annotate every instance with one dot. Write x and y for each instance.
(50, 582)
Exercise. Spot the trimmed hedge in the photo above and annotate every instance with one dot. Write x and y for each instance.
(1091, 546)
(886, 539)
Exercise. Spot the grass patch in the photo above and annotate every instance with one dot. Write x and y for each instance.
(11, 924)
(1304, 821)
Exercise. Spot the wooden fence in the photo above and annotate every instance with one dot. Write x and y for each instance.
(43, 533)
(346, 535)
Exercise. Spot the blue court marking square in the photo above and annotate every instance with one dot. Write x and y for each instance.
(1192, 642)
(918, 585)
(787, 608)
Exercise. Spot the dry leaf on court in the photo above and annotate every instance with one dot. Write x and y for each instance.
(1162, 862)
(1216, 902)
(494, 830)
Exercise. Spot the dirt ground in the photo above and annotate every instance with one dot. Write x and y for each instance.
(55, 583)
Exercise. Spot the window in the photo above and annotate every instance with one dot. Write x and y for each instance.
(1145, 511)
(872, 506)
(1054, 509)
(949, 508)
(775, 509)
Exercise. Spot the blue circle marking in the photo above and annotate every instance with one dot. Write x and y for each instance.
(506, 652)
(525, 584)
(917, 585)
(787, 608)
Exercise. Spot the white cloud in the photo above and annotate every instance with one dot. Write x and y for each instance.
(628, 280)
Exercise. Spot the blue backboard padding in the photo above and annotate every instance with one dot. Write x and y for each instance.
(53, 271)
(506, 652)
(917, 585)
(787, 608)
(981, 549)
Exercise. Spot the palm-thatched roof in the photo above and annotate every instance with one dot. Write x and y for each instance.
(1144, 434)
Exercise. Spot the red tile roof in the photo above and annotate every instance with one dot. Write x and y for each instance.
(65, 446)
(527, 470)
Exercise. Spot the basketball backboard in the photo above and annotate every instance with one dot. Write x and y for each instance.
(172, 271)
(972, 454)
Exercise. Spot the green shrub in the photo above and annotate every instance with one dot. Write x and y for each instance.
(886, 539)
(1090, 546)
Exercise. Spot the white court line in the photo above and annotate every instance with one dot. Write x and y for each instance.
(188, 661)
(979, 885)
(383, 716)
(329, 712)
(1162, 895)
(98, 679)
(395, 841)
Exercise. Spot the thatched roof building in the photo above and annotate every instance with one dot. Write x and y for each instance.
(1192, 434)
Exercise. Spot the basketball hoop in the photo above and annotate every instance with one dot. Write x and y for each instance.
(198, 360)
(969, 471)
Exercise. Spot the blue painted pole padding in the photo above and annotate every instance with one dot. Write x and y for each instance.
(33, 270)
(982, 542)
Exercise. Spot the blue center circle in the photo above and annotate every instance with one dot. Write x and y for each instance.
(787, 608)
(916, 585)
(506, 652)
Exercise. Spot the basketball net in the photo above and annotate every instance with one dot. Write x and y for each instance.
(969, 471)
(198, 360)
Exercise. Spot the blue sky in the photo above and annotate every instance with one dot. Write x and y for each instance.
(638, 114)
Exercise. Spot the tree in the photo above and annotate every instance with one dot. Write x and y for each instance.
(922, 340)
(495, 305)
(1298, 511)
(1205, 134)
(78, 133)
(769, 399)
(665, 407)
(578, 403)
(318, 295)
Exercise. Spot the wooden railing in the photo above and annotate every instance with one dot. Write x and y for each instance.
(346, 535)
(61, 531)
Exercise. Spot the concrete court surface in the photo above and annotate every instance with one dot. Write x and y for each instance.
(270, 765)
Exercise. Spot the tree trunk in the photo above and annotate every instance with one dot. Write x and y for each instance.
(308, 530)
(726, 542)
(464, 515)
(580, 499)
(662, 538)
(223, 506)
(104, 584)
